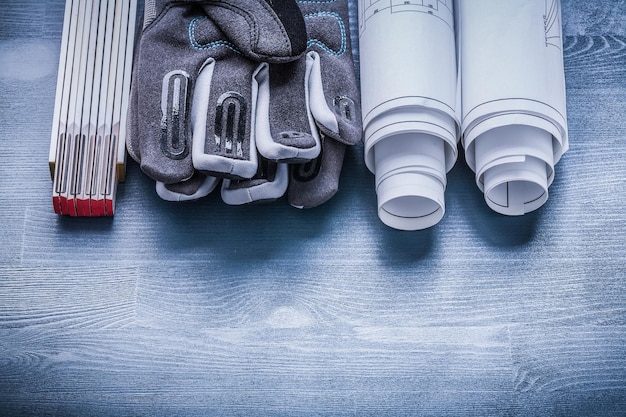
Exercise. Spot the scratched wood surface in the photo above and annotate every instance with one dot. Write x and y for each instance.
(204, 309)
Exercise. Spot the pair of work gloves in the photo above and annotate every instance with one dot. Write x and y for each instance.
(259, 96)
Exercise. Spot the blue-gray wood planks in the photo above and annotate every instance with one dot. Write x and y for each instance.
(206, 309)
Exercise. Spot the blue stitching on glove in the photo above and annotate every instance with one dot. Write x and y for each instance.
(342, 28)
(215, 44)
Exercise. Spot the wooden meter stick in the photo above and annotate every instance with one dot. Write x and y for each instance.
(87, 146)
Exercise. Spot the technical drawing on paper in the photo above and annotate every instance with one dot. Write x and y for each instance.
(552, 23)
(441, 9)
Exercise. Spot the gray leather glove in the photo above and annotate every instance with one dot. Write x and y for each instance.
(247, 120)
(315, 96)
(193, 89)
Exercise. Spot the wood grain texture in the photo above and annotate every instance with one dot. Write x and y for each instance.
(59, 298)
(204, 309)
(566, 370)
(252, 371)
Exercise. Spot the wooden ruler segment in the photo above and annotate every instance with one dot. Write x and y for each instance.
(87, 146)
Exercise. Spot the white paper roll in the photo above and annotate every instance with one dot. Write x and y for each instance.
(410, 180)
(514, 120)
(409, 104)
(514, 167)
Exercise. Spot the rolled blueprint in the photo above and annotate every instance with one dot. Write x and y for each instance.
(514, 122)
(409, 100)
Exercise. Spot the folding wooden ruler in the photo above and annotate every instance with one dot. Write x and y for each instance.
(87, 147)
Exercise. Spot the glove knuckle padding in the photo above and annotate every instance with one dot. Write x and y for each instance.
(223, 142)
(284, 124)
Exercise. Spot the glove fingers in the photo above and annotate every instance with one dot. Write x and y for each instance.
(284, 125)
(334, 100)
(334, 89)
(269, 184)
(170, 53)
(223, 105)
(315, 182)
(198, 186)
(160, 136)
(200, 110)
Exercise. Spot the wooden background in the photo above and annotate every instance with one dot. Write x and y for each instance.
(205, 309)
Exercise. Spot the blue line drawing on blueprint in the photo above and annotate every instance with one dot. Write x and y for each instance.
(441, 9)
(552, 23)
